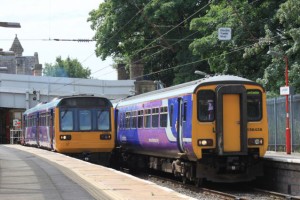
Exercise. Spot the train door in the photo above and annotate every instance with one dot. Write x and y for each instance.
(37, 135)
(231, 119)
(181, 113)
(51, 130)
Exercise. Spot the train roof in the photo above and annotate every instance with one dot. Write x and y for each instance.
(55, 102)
(185, 88)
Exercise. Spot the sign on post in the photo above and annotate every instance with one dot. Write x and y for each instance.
(285, 90)
(224, 34)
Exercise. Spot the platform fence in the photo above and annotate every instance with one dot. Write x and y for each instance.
(15, 136)
(277, 123)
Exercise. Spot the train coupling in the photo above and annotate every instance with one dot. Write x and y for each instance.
(234, 164)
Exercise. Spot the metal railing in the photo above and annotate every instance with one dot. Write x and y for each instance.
(277, 123)
(15, 136)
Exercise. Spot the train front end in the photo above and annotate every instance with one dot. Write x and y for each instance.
(230, 130)
(84, 125)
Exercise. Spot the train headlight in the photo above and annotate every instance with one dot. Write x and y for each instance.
(255, 141)
(105, 137)
(205, 142)
(65, 137)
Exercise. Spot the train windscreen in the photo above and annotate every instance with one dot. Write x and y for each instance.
(85, 102)
(85, 114)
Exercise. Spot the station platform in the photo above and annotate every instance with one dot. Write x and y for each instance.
(106, 183)
(282, 157)
(281, 173)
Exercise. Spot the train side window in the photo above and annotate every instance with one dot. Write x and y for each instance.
(254, 105)
(171, 115)
(147, 118)
(103, 120)
(85, 120)
(140, 118)
(155, 117)
(133, 119)
(121, 120)
(163, 116)
(206, 104)
(66, 120)
(184, 111)
(127, 120)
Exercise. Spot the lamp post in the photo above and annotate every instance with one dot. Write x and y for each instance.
(287, 121)
(287, 129)
(202, 73)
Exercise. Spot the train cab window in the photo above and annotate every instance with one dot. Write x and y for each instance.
(163, 116)
(85, 120)
(155, 117)
(140, 118)
(103, 120)
(66, 120)
(147, 118)
(254, 105)
(206, 104)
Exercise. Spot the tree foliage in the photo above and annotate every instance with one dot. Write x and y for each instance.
(173, 38)
(283, 36)
(71, 68)
(155, 33)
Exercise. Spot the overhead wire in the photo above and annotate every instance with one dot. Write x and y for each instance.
(110, 39)
(172, 28)
(194, 62)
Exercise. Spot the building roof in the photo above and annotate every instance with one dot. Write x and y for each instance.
(17, 47)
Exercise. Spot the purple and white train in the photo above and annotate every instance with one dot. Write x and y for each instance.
(213, 128)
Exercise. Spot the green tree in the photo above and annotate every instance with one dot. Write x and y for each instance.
(246, 20)
(283, 36)
(66, 68)
(155, 33)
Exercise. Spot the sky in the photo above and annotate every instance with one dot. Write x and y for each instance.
(54, 19)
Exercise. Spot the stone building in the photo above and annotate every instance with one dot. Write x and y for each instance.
(13, 61)
(136, 72)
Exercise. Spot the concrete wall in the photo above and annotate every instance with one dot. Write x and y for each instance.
(281, 176)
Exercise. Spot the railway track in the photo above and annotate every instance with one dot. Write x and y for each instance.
(216, 191)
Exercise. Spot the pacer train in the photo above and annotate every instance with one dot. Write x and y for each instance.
(71, 125)
(213, 128)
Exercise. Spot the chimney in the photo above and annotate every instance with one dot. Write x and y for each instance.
(122, 74)
(37, 70)
(136, 71)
